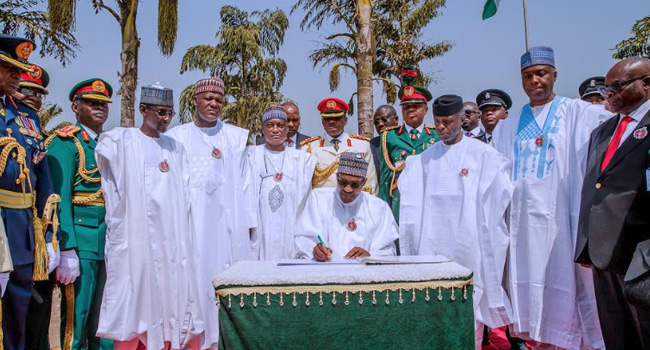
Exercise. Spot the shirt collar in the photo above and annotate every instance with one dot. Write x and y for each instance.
(408, 128)
(92, 134)
(641, 111)
(329, 138)
(477, 131)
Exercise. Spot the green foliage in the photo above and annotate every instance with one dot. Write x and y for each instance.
(638, 44)
(17, 17)
(245, 57)
(398, 27)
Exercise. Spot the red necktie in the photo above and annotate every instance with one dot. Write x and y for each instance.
(616, 140)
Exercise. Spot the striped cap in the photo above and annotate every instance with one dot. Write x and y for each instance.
(274, 112)
(212, 84)
(352, 163)
(538, 55)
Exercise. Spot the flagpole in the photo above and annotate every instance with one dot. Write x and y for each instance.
(526, 24)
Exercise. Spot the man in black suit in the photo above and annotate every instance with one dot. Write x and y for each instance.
(615, 208)
(385, 116)
(294, 138)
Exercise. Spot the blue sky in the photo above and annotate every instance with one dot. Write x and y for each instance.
(486, 53)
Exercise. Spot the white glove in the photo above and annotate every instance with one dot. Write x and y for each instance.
(68, 269)
(52, 258)
(4, 279)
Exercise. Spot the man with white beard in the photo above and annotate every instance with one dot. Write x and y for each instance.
(220, 188)
(282, 176)
(454, 197)
(552, 297)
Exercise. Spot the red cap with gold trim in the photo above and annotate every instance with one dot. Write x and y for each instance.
(38, 79)
(92, 89)
(332, 107)
(16, 51)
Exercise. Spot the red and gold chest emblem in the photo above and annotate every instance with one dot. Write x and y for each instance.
(163, 166)
(539, 141)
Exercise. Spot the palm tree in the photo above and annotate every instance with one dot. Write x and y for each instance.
(638, 44)
(47, 113)
(245, 57)
(62, 17)
(18, 18)
(388, 40)
(354, 48)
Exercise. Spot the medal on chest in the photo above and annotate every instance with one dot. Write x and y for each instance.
(641, 133)
(464, 172)
(351, 226)
(539, 142)
(163, 166)
(216, 153)
(277, 177)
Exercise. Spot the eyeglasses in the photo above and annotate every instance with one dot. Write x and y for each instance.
(162, 112)
(30, 92)
(383, 120)
(618, 86)
(353, 184)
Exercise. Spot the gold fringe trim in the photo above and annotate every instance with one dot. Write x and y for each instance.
(322, 174)
(336, 288)
(40, 250)
(87, 198)
(69, 317)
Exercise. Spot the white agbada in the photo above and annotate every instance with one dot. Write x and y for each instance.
(148, 293)
(453, 202)
(326, 215)
(279, 202)
(222, 205)
(552, 297)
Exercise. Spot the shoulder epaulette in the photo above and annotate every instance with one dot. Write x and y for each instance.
(359, 137)
(306, 141)
(67, 131)
(390, 128)
(428, 129)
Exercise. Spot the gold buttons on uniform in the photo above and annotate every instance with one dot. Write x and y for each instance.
(79, 220)
(598, 185)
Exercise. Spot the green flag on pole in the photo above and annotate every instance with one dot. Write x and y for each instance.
(490, 8)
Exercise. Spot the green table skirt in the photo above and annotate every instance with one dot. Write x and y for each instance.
(409, 315)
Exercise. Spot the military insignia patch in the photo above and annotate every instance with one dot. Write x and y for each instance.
(409, 91)
(37, 73)
(331, 104)
(641, 133)
(99, 86)
(24, 49)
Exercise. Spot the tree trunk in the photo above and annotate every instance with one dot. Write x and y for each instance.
(364, 59)
(129, 56)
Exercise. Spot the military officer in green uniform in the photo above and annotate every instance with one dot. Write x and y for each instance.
(71, 154)
(410, 138)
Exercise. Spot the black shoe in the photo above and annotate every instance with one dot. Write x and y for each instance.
(518, 345)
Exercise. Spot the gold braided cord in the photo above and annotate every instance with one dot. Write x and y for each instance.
(69, 317)
(392, 185)
(322, 174)
(342, 288)
(40, 250)
(81, 200)
(81, 168)
(51, 218)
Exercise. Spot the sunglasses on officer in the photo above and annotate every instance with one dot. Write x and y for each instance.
(618, 86)
(162, 112)
(353, 184)
(30, 92)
